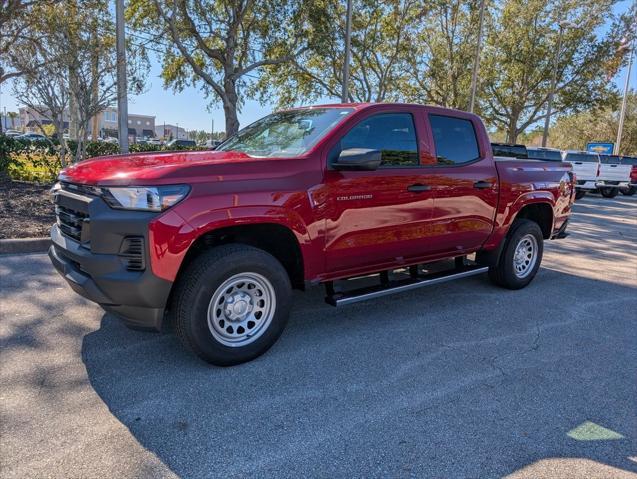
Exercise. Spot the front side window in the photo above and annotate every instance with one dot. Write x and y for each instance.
(393, 134)
(455, 140)
(285, 134)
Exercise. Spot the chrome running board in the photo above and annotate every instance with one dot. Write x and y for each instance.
(337, 298)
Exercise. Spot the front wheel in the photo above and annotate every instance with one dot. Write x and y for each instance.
(608, 192)
(579, 194)
(232, 304)
(521, 257)
(630, 191)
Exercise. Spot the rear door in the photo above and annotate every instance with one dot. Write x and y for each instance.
(465, 181)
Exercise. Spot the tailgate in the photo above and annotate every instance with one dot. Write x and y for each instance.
(585, 170)
(614, 172)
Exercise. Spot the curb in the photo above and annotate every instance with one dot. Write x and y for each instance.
(24, 245)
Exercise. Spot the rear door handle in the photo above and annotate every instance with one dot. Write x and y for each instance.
(481, 185)
(419, 188)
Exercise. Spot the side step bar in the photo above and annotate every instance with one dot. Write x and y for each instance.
(386, 288)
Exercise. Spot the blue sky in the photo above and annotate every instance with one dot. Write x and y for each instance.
(189, 107)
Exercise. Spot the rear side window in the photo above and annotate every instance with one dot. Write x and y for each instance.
(455, 140)
(581, 157)
(547, 155)
(393, 134)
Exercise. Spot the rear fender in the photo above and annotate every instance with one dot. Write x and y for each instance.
(506, 217)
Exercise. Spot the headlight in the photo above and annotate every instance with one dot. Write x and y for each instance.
(145, 198)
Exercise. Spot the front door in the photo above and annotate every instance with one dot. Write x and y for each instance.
(378, 218)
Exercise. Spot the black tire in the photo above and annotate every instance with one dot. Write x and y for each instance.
(609, 192)
(630, 191)
(579, 194)
(200, 283)
(504, 273)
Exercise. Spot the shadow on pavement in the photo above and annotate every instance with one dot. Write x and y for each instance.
(460, 380)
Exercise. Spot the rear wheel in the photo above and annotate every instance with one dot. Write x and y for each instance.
(630, 191)
(521, 257)
(232, 304)
(608, 192)
(579, 194)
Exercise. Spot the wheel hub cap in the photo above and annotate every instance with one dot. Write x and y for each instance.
(238, 306)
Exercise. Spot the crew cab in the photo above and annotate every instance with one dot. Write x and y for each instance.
(613, 175)
(586, 168)
(400, 195)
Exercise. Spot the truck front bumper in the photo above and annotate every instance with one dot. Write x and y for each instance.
(108, 261)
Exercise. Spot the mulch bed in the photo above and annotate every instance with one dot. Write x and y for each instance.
(26, 209)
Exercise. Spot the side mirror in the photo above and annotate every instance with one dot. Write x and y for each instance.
(358, 159)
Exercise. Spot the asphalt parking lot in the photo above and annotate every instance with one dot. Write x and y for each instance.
(458, 380)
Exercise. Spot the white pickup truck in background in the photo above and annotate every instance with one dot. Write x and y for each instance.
(586, 168)
(612, 175)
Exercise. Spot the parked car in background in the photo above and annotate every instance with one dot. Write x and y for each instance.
(32, 137)
(509, 151)
(12, 133)
(325, 194)
(544, 154)
(586, 169)
(632, 186)
(154, 141)
(211, 144)
(174, 143)
(612, 175)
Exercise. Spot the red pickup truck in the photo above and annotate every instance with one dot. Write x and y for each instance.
(214, 241)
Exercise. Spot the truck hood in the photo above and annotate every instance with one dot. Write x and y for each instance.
(158, 168)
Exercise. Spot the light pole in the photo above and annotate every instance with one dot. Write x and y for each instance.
(622, 113)
(549, 102)
(348, 42)
(122, 99)
(476, 60)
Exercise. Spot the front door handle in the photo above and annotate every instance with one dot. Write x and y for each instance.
(418, 188)
(482, 185)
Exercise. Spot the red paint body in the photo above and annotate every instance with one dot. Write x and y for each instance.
(341, 238)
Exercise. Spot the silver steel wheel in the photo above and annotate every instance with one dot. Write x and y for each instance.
(525, 256)
(241, 309)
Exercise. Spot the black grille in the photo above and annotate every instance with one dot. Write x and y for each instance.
(132, 250)
(70, 221)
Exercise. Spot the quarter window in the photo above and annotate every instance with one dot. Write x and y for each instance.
(393, 134)
(455, 140)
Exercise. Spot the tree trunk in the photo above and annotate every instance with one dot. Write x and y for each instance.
(230, 101)
(512, 130)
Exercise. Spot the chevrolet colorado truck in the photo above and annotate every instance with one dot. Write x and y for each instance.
(368, 199)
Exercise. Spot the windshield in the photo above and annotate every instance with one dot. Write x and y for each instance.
(550, 155)
(285, 134)
(515, 151)
(609, 159)
(591, 158)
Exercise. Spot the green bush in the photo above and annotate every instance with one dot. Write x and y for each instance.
(39, 161)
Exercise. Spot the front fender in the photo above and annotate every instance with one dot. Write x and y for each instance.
(172, 234)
